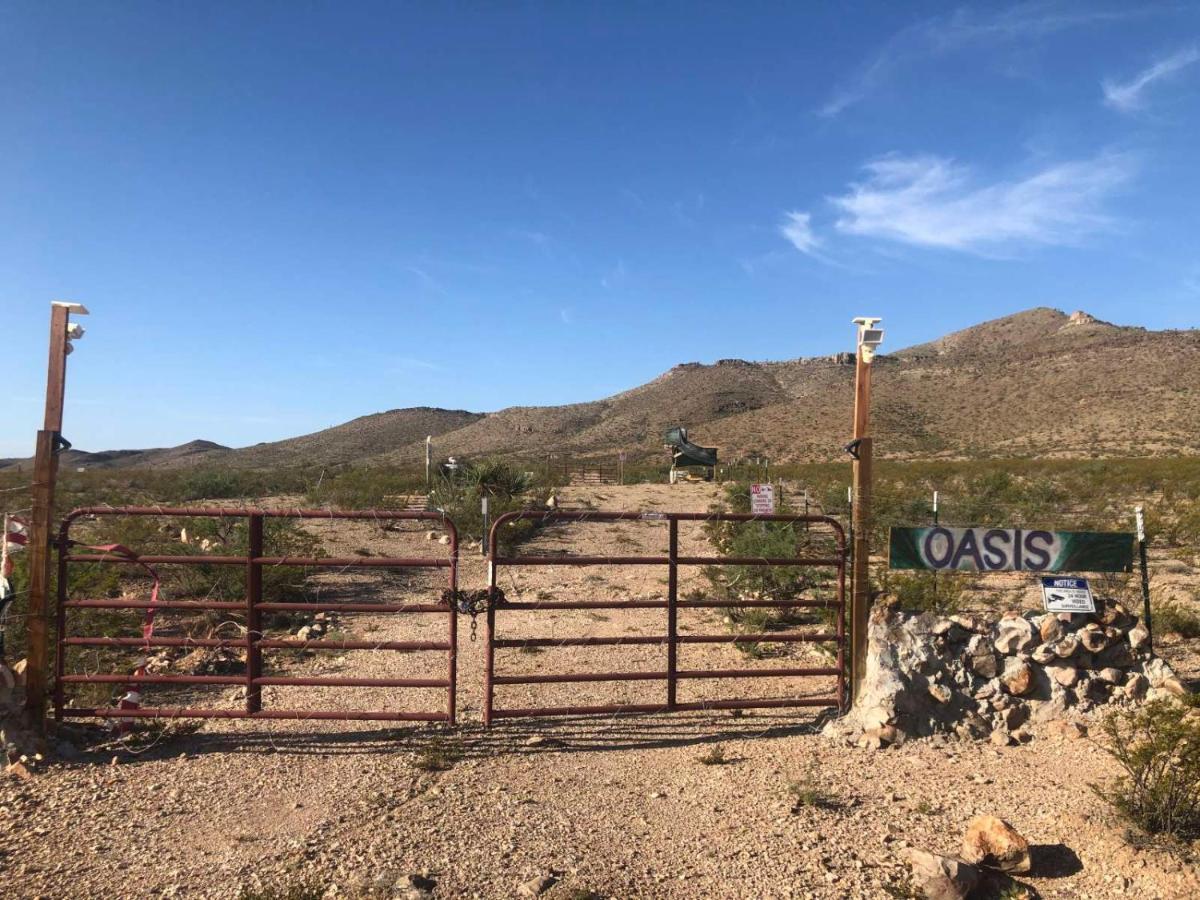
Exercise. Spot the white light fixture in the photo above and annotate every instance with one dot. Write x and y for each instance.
(869, 337)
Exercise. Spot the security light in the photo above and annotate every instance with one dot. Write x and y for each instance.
(74, 331)
(869, 337)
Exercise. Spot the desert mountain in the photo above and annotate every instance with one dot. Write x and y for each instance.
(1038, 383)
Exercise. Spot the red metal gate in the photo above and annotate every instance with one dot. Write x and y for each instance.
(672, 640)
(254, 643)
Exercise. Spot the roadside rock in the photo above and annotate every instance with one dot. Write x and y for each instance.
(941, 877)
(992, 842)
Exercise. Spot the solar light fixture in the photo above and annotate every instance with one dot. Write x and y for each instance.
(869, 337)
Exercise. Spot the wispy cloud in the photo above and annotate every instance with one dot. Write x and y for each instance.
(615, 277)
(960, 30)
(409, 363)
(426, 279)
(797, 228)
(930, 201)
(565, 315)
(1127, 96)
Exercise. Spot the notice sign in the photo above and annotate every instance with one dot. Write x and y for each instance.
(1010, 550)
(762, 499)
(1067, 595)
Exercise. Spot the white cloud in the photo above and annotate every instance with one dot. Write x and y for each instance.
(1127, 96)
(797, 228)
(930, 201)
(963, 29)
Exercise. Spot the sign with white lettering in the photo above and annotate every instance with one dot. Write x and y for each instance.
(1067, 595)
(1009, 550)
(762, 499)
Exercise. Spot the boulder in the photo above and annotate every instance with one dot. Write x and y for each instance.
(1066, 731)
(1136, 686)
(1111, 675)
(1050, 628)
(1043, 654)
(1065, 647)
(992, 842)
(1092, 638)
(1139, 637)
(1018, 677)
(941, 877)
(980, 658)
(1014, 634)
(1116, 655)
(1066, 676)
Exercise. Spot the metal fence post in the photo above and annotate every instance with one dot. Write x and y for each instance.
(672, 610)
(254, 614)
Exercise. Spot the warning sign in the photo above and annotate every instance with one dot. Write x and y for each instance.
(762, 499)
(1067, 595)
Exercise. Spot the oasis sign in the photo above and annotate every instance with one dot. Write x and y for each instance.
(1010, 550)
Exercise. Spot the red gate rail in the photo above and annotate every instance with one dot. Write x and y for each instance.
(672, 604)
(254, 643)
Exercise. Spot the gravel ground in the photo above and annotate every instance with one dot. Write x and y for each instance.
(621, 806)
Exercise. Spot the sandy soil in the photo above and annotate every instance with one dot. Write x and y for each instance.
(622, 806)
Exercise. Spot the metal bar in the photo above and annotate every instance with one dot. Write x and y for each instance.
(619, 708)
(841, 636)
(60, 655)
(286, 644)
(153, 679)
(452, 629)
(301, 681)
(162, 604)
(672, 613)
(158, 712)
(579, 560)
(264, 644)
(579, 677)
(587, 604)
(578, 642)
(765, 637)
(330, 562)
(238, 512)
(775, 604)
(335, 606)
(757, 673)
(254, 626)
(756, 561)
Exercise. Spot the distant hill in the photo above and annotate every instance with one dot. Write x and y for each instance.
(1038, 383)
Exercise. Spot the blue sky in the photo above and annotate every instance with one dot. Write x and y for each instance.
(283, 216)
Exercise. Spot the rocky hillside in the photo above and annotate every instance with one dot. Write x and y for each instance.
(1038, 383)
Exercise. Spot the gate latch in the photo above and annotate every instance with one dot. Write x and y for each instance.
(472, 603)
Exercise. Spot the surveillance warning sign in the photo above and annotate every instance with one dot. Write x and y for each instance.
(762, 499)
(1067, 595)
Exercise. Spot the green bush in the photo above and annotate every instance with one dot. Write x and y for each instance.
(1172, 617)
(927, 591)
(507, 488)
(1157, 746)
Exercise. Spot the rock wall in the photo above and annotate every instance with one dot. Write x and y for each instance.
(926, 673)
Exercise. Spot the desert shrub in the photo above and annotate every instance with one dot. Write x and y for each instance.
(1171, 616)
(507, 488)
(927, 592)
(1157, 746)
(364, 487)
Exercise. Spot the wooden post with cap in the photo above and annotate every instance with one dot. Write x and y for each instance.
(45, 477)
(860, 514)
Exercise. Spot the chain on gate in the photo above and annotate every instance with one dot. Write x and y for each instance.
(472, 603)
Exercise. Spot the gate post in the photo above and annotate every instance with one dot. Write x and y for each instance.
(860, 596)
(254, 614)
(672, 609)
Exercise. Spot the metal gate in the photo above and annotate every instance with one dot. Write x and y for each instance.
(253, 607)
(499, 606)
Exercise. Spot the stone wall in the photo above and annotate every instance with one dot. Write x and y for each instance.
(926, 673)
